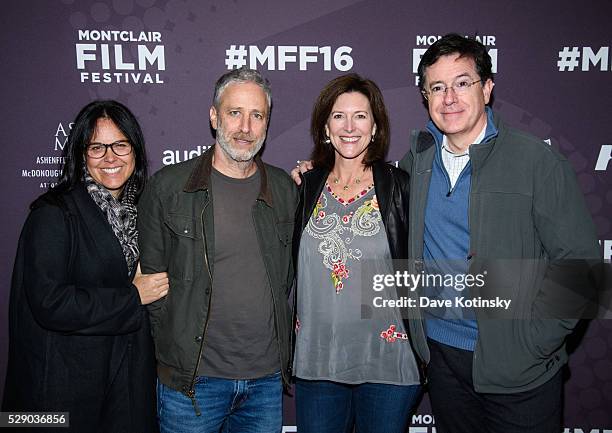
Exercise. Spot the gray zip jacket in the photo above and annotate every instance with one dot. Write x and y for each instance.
(531, 232)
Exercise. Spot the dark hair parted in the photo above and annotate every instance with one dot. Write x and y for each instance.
(323, 154)
(83, 130)
(454, 43)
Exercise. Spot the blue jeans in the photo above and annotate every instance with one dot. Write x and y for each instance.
(249, 406)
(331, 407)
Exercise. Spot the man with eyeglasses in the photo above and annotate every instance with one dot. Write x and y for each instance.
(490, 200)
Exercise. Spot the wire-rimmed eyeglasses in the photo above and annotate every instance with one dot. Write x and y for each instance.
(439, 89)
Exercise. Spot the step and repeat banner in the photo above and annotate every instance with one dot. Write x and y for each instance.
(552, 60)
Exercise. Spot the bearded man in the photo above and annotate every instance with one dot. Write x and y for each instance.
(221, 226)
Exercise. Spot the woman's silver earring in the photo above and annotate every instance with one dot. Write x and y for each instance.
(327, 141)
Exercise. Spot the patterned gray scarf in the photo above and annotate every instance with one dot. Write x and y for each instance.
(120, 214)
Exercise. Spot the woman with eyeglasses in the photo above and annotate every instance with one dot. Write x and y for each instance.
(79, 338)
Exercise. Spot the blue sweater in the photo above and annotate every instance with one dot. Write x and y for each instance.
(446, 249)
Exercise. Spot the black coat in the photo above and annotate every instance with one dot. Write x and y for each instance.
(79, 339)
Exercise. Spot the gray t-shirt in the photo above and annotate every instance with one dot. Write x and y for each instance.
(334, 342)
(240, 341)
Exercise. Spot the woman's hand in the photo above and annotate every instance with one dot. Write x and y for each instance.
(302, 167)
(151, 287)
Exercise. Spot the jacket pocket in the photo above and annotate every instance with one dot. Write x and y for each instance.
(284, 231)
(548, 334)
(186, 248)
(282, 256)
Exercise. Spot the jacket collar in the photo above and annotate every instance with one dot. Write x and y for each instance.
(383, 184)
(101, 232)
(200, 176)
(435, 135)
(314, 182)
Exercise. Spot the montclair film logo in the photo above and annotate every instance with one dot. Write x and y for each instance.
(422, 280)
(120, 56)
(424, 41)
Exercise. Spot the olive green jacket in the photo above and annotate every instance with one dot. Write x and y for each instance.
(176, 235)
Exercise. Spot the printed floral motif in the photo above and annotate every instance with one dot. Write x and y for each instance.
(339, 273)
(337, 232)
(316, 212)
(352, 199)
(374, 202)
(391, 335)
(367, 218)
(369, 206)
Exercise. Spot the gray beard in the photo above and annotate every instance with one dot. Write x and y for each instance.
(234, 154)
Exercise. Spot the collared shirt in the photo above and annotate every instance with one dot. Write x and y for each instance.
(454, 163)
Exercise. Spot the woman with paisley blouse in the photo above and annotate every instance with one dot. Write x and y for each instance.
(355, 365)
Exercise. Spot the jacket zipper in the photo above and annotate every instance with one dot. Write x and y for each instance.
(419, 322)
(191, 391)
(273, 304)
(293, 334)
(420, 364)
(469, 259)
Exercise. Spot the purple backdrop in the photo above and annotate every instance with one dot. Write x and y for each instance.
(161, 58)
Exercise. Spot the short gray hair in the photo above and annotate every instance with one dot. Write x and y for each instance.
(242, 75)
